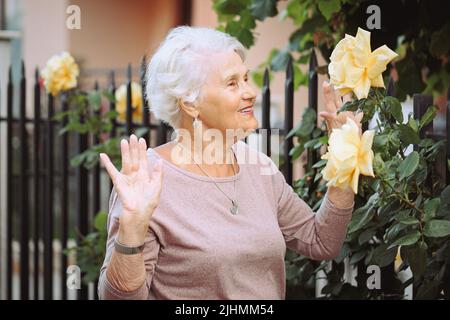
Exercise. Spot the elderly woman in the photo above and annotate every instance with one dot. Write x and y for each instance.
(182, 227)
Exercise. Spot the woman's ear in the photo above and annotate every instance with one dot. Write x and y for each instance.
(188, 107)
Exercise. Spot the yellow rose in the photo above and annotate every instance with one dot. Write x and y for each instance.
(136, 101)
(349, 155)
(354, 67)
(60, 73)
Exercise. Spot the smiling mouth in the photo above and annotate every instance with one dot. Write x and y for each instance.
(246, 110)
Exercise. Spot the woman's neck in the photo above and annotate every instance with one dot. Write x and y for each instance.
(217, 158)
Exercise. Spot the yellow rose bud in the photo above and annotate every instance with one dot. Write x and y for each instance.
(349, 155)
(354, 67)
(60, 73)
(136, 101)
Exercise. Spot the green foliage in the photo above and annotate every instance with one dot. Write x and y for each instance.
(91, 250)
(84, 117)
(423, 47)
(398, 208)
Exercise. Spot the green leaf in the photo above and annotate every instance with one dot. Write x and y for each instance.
(445, 195)
(430, 208)
(297, 151)
(244, 35)
(317, 177)
(231, 7)
(95, 100)
(305, 127)
(100, 221)
(428, 116)
(416, 256)
(408, 135)
(413, 124)
(328, 7)
(439, 44)
(297, 11)
(406, 240)
(349, 106)
(258, 77)
(358, 256)
(393, 231)
(77, 160)
(404, 217)
(394, 106)
(345, 250)
(247, 20)
(437, 228)
(298, 40)
(300, 78)
(383, 256)
(366, 235)
(311, 143)
(428, 290)
(262, 9)
(280, 60)
(320, 163)
(408, 165)
(363, 215)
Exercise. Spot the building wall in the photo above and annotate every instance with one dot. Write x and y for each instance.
(117, 32)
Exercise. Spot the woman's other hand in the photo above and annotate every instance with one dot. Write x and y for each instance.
(138, 189)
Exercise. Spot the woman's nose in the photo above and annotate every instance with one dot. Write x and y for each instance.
(249, 92)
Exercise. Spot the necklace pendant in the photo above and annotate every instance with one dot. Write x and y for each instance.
(234, 208)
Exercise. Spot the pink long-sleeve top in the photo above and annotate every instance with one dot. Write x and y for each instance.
(196, 249)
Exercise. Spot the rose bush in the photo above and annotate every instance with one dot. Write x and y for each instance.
(402, 210)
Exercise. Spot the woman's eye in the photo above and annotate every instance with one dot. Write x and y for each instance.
(232, 83)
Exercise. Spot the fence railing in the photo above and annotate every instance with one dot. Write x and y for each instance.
(41, 186)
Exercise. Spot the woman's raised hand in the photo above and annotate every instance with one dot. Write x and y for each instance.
(138, 189)
(334, 103)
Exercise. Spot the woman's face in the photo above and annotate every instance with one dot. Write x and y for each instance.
(226, 92)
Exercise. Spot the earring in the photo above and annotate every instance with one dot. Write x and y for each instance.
(196, 123)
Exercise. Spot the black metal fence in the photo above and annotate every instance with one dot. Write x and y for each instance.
(41, 185)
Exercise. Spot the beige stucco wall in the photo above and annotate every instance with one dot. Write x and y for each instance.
(113, 33)
(116, 32)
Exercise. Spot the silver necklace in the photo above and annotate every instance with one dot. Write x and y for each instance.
(234, 205)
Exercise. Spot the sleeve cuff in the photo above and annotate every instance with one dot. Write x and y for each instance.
(343, 211)
(109, 292)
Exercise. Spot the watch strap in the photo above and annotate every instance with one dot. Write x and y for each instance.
(127, 250)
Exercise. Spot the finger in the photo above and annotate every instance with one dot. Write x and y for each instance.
(347, 98)
(134, 151)
(329, 118)
(328, 94)
(143, 162)
(359, 116)
(337, 99)
(126, 161)
(110, 168)
(325, 114)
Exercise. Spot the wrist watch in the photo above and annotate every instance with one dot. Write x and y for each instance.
(125, 249)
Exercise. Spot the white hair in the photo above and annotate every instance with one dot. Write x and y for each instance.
(179, 67)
